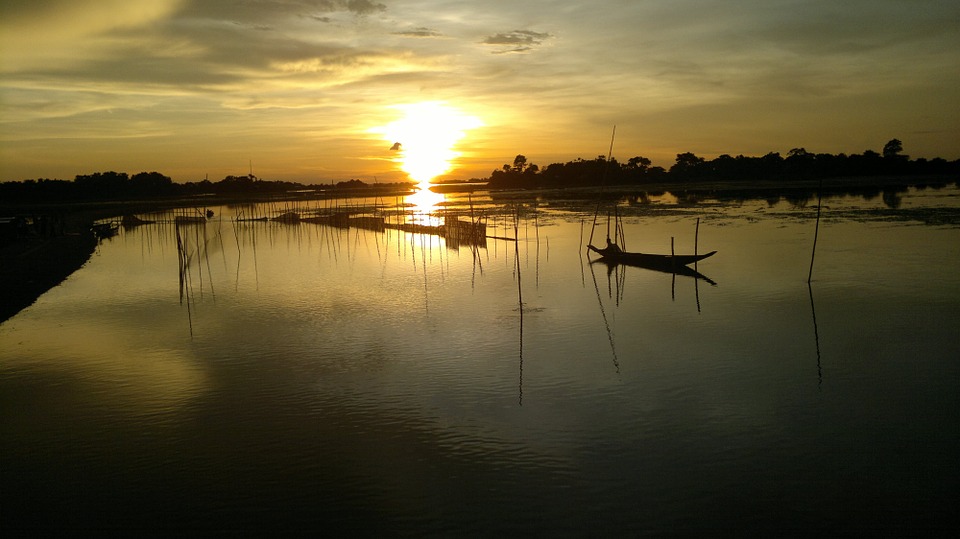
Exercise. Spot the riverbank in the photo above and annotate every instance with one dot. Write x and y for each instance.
(36, 260)
(31, 266)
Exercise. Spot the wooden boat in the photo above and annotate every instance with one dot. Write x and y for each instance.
(614, 254)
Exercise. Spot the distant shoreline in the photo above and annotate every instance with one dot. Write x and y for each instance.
(30, 267)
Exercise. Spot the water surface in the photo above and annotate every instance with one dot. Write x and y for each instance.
(301, 376)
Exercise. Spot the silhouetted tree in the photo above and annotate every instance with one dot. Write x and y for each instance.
(688, 166)
(519, 163)
(352, 184)
(102, 185)
(771, 165)
(726, 167)
(799, 162)
(638, 163)
(893, 150)
(151, 183)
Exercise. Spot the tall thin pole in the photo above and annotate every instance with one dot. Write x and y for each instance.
(612, 136)
(696, 236)
(816, 231)
(602, 183)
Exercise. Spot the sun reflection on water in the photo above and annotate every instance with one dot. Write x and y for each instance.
(424, 206)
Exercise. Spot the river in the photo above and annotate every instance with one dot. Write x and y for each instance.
(369, 376)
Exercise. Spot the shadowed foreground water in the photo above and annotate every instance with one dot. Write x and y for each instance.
(300, 376)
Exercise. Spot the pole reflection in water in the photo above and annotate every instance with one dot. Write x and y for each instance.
(341, 232)
(516, 257)
(184, 263)
(603, 314)
(816, 335)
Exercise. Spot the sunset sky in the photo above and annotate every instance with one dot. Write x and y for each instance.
(315, 90)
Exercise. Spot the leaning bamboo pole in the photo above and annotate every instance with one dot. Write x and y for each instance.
(816, 231)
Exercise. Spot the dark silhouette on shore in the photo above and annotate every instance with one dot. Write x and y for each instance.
(799, 164)
(102, 186)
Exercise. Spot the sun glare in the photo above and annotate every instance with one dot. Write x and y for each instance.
(425, 137)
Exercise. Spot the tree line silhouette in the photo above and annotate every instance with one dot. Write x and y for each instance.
(799, 164)
(144, 185)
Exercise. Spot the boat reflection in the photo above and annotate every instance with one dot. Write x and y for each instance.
(616, 270)
(683, 271)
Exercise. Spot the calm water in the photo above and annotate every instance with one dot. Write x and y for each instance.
(307, 377)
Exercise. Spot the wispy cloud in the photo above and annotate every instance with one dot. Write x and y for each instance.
(516, 40)
(419, 32)
(363, 7)
(270, 10)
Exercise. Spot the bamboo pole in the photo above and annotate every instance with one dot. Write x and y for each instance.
(603, 182)
(816, 231)
(696, 236)
(696, 241)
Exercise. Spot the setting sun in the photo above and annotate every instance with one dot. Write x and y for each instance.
(425, 137)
